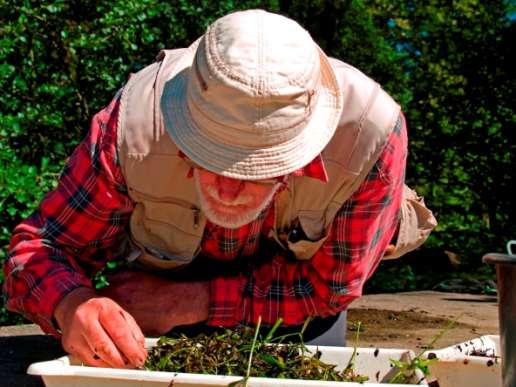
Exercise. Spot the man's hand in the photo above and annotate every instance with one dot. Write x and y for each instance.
(98, 331)
(158, 304)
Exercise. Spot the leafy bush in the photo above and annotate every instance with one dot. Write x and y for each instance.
(61, 61)
(461, 116)
(21, 188)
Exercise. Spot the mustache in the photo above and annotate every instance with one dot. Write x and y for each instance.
(241, 199)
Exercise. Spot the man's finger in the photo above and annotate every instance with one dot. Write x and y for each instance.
(120, 327)
(83, 352)
(137, 335)
(101, 345)
(96, 361)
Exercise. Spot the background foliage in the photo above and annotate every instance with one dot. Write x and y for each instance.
(447, 63)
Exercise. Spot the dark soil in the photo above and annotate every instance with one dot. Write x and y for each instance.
(388, 325)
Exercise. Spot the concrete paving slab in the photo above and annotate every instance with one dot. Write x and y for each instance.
(412, 319)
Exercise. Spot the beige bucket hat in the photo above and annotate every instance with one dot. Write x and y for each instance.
(253, 98)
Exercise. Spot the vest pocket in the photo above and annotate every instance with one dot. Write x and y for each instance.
(168, 233)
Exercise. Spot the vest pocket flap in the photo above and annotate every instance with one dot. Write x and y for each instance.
(158, 177)
(173, 230)
(177, 216)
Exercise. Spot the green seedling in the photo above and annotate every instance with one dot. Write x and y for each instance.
(245, 352)
(349, 371)
(407, 369)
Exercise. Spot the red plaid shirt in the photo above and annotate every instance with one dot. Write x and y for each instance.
(74, 230)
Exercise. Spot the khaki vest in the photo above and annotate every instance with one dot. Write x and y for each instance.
(167, 225)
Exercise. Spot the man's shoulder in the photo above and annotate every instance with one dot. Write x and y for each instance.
(351, 78)
(339, 65)
(153, 67)
(369, 115)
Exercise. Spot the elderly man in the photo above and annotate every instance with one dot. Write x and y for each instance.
(265, 179)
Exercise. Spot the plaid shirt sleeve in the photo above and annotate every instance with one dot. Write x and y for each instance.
(70, 235)
(334, 276)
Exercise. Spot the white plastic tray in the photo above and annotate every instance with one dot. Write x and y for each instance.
(458, 366)
(375, 363)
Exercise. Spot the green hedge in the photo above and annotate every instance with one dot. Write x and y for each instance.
(61, 61)
(463, 153)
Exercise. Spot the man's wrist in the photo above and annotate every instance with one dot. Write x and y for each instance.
(70, 302)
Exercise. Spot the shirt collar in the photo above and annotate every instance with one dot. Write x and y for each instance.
(314, 169)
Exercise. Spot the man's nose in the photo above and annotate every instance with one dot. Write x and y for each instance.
(229, 188)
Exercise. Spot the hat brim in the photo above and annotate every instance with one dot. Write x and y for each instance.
(243, 162)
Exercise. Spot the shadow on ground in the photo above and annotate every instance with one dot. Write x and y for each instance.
(18, 352)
